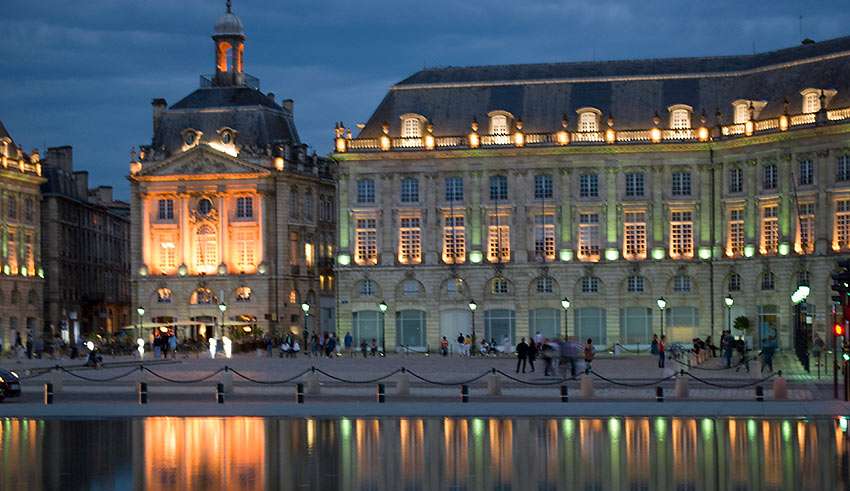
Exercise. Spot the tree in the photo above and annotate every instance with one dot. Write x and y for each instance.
(742, 323)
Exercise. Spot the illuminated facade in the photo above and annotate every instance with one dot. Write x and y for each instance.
(21, 273)
(609, 183)
(229, 208)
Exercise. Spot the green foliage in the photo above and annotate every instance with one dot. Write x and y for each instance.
(742, 323)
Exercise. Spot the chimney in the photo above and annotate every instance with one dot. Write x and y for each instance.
(288, 105)
(101, 195)
(81, 180)
(159, 106)
(61, 158)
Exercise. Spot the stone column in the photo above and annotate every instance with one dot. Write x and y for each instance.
(387, 218)
(475, 221)
(611, 208)
(751, 212)
(224, 229)
(705, 209)
(185, 233)
(787, 207)
(658, 215)
(260, 217)
(566, 212)
(429, 231)
(146, 229)
(519, 216)
(824, 218)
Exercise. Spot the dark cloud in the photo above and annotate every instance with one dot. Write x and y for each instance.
(83, 73)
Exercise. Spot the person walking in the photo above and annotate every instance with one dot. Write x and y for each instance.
(742, 350)
(588, 355)
(726, 344)
(363, 347)
(532, 353)
(467, 345)
(521, 355)
(444, 346)
(374, 347)
(662, 351)
(768, 349)
(172, 345)
(653, 347)
(348, 342)
(460, 340)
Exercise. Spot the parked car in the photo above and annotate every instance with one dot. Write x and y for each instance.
(10, 384)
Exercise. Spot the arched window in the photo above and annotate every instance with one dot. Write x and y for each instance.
(635, 284)
(499, 124)
(682, 283)
(742, 112)
(410, 288)
(367, 288)
(811, 101)
(203, 296)
(545, 284)
(243, 294)
(206, 249)
(411, 127)
(680, 119)
(734, 282)
(590, 284)
(499, 286)
(588, 120)
(768, 281)
(163, 295)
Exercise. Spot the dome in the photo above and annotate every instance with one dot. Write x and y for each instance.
(228, 25)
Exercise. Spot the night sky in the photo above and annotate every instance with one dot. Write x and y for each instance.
(83, 72)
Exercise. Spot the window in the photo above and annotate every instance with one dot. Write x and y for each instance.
(804, 278)
(203, 296)
(545, 284)
(680, 119)
(367, 326)
(742, 112)
(206, 249)
(768, 281)
(736, 180)
(163, 295)
(293, 248)
(365, 191)
(635, 284)
(588, 185)
(245, 250)
(409, 190)
(588, 121)
(454, 189)
(769, 176)
(500, 324)
(293, 296)
(243, 294)
(366, 241)
(734, 282)
(636, 325)
(735, 233)
(681, 184)
(811, 102)
(498, 188)
(589, 284)
(807, 173)
(245, 207)
(499, 286)
(167, 254)
(544, 237)
(806, 228)
(410, 288)
(294, 203)
(367, 288)
(635, 184)
(770, 229)
(590, 323)
(454, 240)
(841, 236)
(308, 206)
(28, 209)
(499, 124)
(682, 283)
(499, 239)
(410, 241)
(546, 322)
(588, 237)
(205, 206)
(542, 187)
(12, 208)
(410, 328)
(634, 235)
(681, 235)
(411, 128)
(842, 168)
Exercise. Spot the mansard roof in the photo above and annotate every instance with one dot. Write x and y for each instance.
(630, 90)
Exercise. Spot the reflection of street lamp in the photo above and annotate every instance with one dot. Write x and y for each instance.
(223, 308)
(141, 311)
(306, 308)
(662, 304)
(472, 307)
(383, 307)
(729, 301)
(565, 303)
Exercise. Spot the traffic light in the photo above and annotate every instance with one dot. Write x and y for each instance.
(838, 330)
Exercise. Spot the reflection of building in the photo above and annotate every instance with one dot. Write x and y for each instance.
(21, 274)
(86, 249)
(610, 183)
(229, 208)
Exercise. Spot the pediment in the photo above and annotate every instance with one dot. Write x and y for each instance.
(199, 161)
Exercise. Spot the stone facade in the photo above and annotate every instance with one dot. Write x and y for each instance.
(610, 217)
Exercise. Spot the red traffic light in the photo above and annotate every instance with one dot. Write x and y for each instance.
(838, 330)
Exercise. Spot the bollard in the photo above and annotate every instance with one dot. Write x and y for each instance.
(681, 388)
(299, 393)
(48, 393)
(402, 386)
(143, 393)
(219, 393)
(780, 387)
(227, 380)
(659, 394)
(382, 394)
(494, 384)
(759, 393)
(56, 378)
(464, 393)
(565, 396)
(586, 385)
(313, 385)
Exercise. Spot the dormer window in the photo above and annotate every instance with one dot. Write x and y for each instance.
(499, 125)
(588, 119)
(742, 110)
(412, 125)
(680, 117)
(812, 99)
(191, 138)
(226, 137)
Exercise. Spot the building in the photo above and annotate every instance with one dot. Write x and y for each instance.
(21, 278)
(232, 220)
(606, 185)
(86, 243)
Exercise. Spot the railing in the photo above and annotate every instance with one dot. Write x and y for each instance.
(251, 81)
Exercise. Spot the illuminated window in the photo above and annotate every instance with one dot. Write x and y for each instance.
(410, 241)
(634, 235)
(293, 296)
(588, 185)
(806, 175)
(12, 253)
(742, 112)
(806, 228)
(736, 180)
(366, 241)
(167, 254)
(635, 184)
(681, 235)
(734, 282)
(206, 249)
(454, 189)
(681, 283)
(411, 128)
(735, 233)
(245, 207)
(243, 294)
(293, 248)
(163, 295)
(309, 254)
(811, 102)
(769, 176)
(365, 191)
(588, 237)
(245, 250)
(842, 225)
(768, 281)
(203, 296)
(499, 125)
(499, 238)
(499, 286)
(589, 284)
(367, 288)
(681, 184)
(680, 119)
(543, 186)
(635, 284)
(498, 188)
(545, 284)
(770, 229)
(842, 168)
(588, 121)
(409, 190)
(544, 237)
(454, 240)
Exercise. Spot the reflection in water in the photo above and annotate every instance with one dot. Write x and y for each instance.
(415, 453)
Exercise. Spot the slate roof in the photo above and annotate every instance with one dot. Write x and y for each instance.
(4, 133)
(630, 90)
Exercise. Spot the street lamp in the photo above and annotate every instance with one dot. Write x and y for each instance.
(565, 303)
(472, 307)
(729, 301)
(306, 308)
(223, 308)
(141, 311)
(383, 308)
(662, 304)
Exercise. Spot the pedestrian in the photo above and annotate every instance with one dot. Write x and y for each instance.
(444, 346)
(29, 345)
(742, 350)
(374, 347)
(467, 345)
(348, 341)
(172, 345)
(547, 352)
(726, 344)
(538, 339)
(653, 348)
(768, 349)
(662, 351)
(709, 342)
(330, 347)
(521, 355)
(532, 354)
(363, 347)
(460, 340)
(588, 355)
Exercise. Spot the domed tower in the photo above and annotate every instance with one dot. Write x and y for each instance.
(229, 38)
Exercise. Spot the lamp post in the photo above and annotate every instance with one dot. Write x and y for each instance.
(223, 308)
(383, 308)
(729, 301)
(662, 304)
(141, 311)
(306, 308)
(472, 308)
(565, 303)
